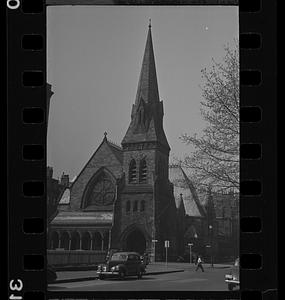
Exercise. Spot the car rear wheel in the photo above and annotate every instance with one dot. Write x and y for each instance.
(230, 287)
(140, 274)
(101, 277)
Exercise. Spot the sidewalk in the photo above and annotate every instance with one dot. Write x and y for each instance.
(188, 266)
(152, 269)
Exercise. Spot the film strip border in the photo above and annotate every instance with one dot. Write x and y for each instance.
(27, 123)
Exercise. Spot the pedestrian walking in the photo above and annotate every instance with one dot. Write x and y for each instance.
(145, 259)
(199, 264)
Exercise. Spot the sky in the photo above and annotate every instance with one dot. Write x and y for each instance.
(94, 60)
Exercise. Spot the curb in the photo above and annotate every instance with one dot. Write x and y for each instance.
(95, 278)
(74, 280)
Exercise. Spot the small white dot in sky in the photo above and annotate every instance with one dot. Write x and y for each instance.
(206, 28)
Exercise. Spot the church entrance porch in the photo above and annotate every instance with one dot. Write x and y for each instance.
(134, 240)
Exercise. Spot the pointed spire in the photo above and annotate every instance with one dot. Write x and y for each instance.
(147, 86)
(147, 112)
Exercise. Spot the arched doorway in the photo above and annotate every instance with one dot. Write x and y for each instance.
(135, 241)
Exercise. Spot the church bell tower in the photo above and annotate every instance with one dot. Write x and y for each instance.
(146, 200)
(145, 133)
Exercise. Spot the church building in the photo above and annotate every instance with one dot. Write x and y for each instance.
(129, 198)
(122, 198)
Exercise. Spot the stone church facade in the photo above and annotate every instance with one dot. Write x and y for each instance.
(122, 198)
(128, 197)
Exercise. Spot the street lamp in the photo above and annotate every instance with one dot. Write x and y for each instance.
(190, 253)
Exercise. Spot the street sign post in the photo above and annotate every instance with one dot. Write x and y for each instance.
(190, 252)
(166, 245)
(154, 241)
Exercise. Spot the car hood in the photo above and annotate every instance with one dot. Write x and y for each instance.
(111, 264)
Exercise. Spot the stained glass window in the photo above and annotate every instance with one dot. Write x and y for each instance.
(103, 192)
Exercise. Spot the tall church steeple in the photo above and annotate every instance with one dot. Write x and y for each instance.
(147, 87)
(147, 111)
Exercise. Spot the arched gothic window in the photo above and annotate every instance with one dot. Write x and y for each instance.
(132, 171)
(142, 205)
(128, 206)
(143, 171)
(135, 208)
(102, 192)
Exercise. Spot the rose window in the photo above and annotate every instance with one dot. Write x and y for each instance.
(103, 192)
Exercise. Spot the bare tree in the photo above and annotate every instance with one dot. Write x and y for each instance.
(215, 160)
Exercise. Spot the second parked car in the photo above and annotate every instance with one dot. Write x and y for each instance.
(232, 278)
(122, 264)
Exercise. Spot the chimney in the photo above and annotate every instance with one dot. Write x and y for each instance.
(64, 180)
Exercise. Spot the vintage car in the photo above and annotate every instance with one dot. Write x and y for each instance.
(232, 278)
(122, 264)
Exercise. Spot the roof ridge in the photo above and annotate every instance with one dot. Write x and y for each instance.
(114, 144)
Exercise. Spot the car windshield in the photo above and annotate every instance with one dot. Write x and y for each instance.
(118, 256)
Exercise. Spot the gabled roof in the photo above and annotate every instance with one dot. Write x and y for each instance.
(115, 149)
(183, 185)
(64, 196)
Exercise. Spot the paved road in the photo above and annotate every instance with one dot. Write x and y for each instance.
(189, 280)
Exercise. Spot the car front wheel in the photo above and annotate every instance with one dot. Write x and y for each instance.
(101, 277)
(122, 275)
(230, 287)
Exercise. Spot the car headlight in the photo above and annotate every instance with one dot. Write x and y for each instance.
(115, 268)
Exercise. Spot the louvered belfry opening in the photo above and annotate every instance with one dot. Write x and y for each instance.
(143, 171)
(133, 172)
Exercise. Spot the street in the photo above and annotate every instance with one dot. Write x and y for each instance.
(188, 280)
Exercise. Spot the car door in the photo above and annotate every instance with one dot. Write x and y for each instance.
(131, 264)
(137, 264)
